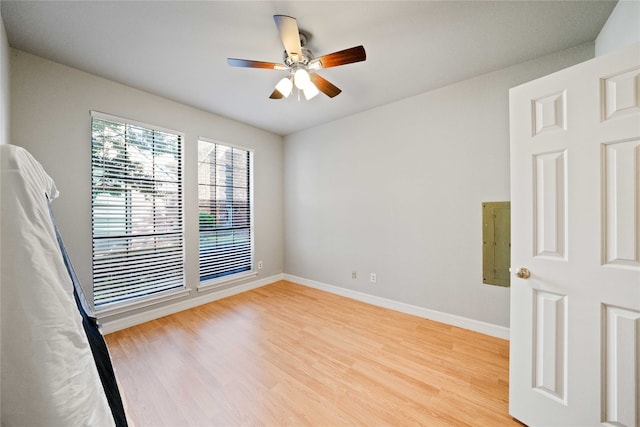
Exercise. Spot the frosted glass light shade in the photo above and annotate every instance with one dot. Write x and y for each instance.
(284, 86)
(301, 78)
(310, 91)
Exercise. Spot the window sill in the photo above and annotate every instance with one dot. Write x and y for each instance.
(126, 306)
(224, 281)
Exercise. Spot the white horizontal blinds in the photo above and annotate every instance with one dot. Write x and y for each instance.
(224, 196)
(136, 208)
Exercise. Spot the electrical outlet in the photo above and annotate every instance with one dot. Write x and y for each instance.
(259, 265)
(354, 274)
(374, 278)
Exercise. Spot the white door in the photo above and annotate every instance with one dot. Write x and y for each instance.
(575, 218)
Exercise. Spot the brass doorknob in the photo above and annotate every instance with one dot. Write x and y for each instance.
(523, 273)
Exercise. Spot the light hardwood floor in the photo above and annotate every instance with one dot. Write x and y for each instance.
(285, 354)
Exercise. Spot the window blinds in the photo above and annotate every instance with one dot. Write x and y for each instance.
(224, 194)
(136, 210)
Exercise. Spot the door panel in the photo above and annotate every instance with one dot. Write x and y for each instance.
(621, 388)
(575, 206)
(550, 192)
(550, 346)
(620, 94)
(621, 164)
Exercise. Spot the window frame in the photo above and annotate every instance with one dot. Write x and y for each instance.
(116, 307)
(225, 280)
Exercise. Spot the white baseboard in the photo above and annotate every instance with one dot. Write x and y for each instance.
(438, 316)
(202, 298)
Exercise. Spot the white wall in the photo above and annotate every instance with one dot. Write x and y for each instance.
(397, 190)
(4, 109)
(4, 85)
(621, 29)
(50, 106)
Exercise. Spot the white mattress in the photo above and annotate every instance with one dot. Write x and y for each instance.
(48, 373)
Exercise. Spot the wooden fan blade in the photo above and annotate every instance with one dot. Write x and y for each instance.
(324, 86)
(347, 56)
(290, 35)
(234, 62)
(276, 94)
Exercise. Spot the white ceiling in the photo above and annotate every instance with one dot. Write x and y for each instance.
(179, 49)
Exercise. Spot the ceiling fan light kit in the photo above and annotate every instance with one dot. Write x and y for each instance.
(299, 60)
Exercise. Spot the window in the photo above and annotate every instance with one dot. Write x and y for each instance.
(225, 210)
(136, 210)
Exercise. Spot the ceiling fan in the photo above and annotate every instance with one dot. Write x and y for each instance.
(301, 63)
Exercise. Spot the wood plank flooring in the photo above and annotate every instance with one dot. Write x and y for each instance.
(288, 355)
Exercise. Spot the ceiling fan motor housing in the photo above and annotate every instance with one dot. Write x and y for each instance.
(306, 57)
